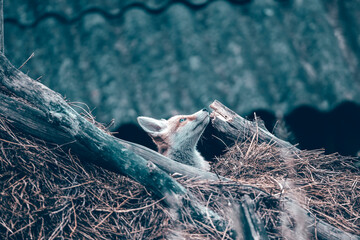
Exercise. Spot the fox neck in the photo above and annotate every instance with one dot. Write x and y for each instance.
(189, 156)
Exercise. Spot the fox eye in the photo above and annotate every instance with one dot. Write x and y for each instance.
(182, 119)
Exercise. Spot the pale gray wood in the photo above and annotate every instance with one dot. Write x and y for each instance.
(169, 165)
(322, 229)
(231, 127)
(254, 227)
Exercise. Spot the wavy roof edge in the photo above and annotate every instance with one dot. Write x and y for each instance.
(26, 15)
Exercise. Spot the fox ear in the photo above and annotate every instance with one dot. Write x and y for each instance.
(151, 125)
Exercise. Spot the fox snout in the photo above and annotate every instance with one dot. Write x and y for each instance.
(202, 114)
(202, 117)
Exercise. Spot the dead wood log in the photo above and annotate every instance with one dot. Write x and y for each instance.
(170, 166)
(252, 226)
(318, 227)
(36, 110)
(232, 128)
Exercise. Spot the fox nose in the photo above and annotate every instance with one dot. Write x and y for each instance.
(205, 110)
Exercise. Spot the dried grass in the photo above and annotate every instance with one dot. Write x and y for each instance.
(47, 193)
(326, 185)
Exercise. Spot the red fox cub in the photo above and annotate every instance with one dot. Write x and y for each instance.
(176, 138)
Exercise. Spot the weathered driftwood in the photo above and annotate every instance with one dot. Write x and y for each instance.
(318, 227)
(232, 128)
(170, 166)
(35, 109)
(252, 226)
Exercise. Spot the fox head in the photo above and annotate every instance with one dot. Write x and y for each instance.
(177, 137)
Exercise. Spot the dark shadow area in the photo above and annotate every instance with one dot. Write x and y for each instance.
(133, 133)
(335, 131)
(210, 146)
(267, 117)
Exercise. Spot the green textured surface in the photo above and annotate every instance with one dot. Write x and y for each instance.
(158, 58)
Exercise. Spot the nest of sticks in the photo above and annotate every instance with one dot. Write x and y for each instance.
(48, 193)
(326, 185)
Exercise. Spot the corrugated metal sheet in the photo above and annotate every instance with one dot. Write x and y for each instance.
(156, 58)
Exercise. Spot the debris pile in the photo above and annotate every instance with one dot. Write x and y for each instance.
(47, 193)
